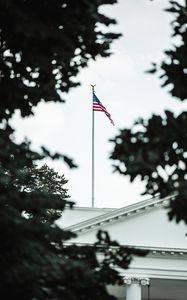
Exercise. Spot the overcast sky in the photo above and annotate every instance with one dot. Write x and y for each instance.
(127, 93)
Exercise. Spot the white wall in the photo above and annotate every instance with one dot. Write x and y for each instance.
(149, 228)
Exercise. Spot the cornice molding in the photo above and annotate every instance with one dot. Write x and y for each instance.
(178, 253)
(117, 214)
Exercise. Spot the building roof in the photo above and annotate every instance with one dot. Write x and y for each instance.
(113, 215)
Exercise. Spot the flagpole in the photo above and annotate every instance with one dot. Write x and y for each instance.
(93, 174)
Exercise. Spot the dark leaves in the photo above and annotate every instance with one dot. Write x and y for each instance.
(174, 67)
(38, 60)
(158, 154)
(67, 159)
(156, 149)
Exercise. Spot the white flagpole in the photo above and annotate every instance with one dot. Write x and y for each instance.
(93, 175)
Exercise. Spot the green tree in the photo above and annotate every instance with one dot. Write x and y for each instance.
(44, 44)
(156, 149)
(42, 179)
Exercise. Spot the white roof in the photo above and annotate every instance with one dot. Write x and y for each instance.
(143, 224)
(77, 214)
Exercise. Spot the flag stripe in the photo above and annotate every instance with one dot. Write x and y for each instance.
(100, 109)
(98, 106)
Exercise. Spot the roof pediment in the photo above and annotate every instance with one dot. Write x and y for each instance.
(141, 224)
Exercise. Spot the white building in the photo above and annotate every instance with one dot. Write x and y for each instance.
(162, 274)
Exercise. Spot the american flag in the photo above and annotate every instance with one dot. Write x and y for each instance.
(98, 106)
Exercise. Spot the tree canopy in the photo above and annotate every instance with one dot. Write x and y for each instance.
(36, 263)
(156, 149)
(44, 44)
(41, 179)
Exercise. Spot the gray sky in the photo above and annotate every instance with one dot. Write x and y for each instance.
(123, 88)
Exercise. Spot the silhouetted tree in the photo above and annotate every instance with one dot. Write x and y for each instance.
(156, 149)
(43, 46)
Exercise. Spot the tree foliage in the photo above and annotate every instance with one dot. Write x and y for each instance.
(156, 149)
(44, 44)
(36, 263)
(43, 180)
(43, 47)
(40, 179)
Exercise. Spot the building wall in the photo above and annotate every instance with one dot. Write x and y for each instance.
(148, 228)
